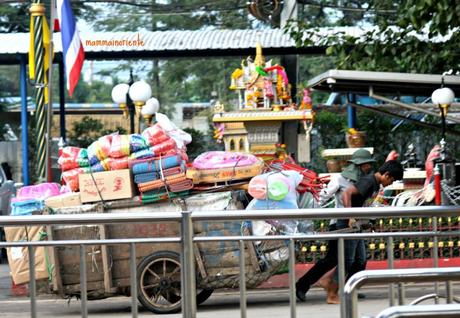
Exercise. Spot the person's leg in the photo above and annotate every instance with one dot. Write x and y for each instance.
(360, 261)
(350, 253)
(321, 267)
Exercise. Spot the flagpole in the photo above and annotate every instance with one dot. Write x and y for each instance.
(38, 11)
(49, 173)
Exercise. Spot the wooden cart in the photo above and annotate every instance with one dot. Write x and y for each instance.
(158, 265)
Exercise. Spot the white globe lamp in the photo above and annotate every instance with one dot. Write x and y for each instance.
(119, 93)
(151, 107)
(139, 93)
(443, 96)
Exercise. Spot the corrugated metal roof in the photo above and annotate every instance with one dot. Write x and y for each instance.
(170, 40)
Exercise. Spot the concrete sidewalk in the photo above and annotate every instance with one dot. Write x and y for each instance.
(5, 282)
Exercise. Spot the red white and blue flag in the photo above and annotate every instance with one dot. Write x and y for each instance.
(73, 52)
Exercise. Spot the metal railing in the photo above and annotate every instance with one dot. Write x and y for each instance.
(186, 239)
(393, 276)
(424, 311)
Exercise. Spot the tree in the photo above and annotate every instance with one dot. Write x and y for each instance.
(87, 131)
(405, 38)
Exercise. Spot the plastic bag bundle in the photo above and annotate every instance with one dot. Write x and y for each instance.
(180, 137)
(101, 166)
(142, 154)
(275, 191)
(73, 157)
(19, 208)
(120, 146)
(223, 159)
(117, 163)
(163, 148)
(40, 191)
(100, 149)
(70, 177)
(137, 142)
(155, 135)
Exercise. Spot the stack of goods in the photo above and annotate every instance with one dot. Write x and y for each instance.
(31, 198)
(275, 191)
(159, 171)
(73, 161)
(118, 152)
(221, 166)
(112, 152)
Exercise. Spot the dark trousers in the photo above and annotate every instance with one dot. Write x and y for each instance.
(321, 267)
(355, 258)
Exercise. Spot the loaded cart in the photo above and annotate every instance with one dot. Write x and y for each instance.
(158, 265)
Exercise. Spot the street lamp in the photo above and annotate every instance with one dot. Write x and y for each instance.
(127, 94)
(443, 97)
(119, 93)
(151, 107)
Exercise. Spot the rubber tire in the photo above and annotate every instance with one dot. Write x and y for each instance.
(146, 261)
(202, 295)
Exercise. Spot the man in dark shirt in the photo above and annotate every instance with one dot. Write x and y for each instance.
(361, 194)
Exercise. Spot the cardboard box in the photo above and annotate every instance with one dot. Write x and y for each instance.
(18, 257)
(64, 200)
(112, 185)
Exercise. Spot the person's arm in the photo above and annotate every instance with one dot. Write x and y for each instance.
(347, 194)
(329, 191)
(346, 198)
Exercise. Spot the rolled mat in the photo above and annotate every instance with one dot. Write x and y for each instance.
(155, 196)
(167, 181)
(146, 177)
(184, 185)
(157, 165)
(151, 176)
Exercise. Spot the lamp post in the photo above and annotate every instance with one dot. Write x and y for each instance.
(443, 97)
(150, 108)
(139, 92)
(131, 97)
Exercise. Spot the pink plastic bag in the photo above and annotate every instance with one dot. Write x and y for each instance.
(164, 147)
(38, 192)
(155, 135)
(223, 159)
(70, 177)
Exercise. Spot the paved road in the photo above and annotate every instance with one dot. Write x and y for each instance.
(261, 303)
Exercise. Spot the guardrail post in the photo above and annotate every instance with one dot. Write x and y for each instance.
(292, 297)
(188, 285)
(242, 281)
(390, 261)
(133, 270)
(83, 286)
(435, 256)
(32, 285)
(341, 269)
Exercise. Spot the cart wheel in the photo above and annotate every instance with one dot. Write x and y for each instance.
(159, 283)
(202, 295)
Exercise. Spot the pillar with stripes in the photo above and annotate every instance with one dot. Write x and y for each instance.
(37, 11)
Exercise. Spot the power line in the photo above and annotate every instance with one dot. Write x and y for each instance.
(342, 8)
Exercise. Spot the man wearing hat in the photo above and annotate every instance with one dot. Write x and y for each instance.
(360, 165)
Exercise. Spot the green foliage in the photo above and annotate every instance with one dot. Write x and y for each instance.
(16, 17)
(94, 92)
(200, 143)
(88, 130)
(394, 43)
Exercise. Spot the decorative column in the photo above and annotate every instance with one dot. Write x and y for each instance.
(37, 11)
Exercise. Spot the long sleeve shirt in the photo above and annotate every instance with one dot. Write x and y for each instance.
(334, 188)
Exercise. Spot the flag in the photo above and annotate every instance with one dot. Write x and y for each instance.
(46, 47)
(73, 53)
